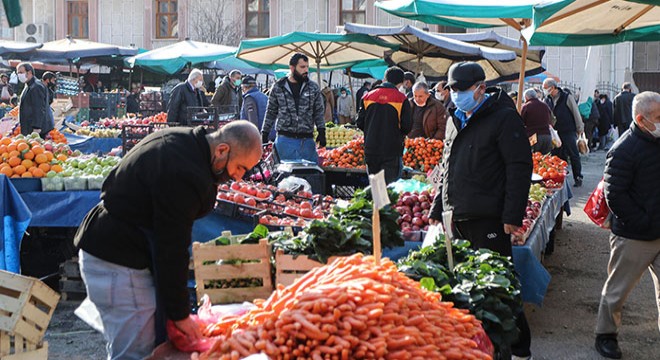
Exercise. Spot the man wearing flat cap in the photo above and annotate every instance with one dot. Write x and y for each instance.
(254, 104)
(487, 162)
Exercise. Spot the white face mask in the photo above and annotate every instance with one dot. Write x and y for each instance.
(343, 95)
(602, 101)
(656, 132)
(402, 89)
(199, 84)
(546, 92)
(440, 96)
(22, 77)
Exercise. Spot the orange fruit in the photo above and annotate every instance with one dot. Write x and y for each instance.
(5, 141)
(44, 167)
(36, 149)
(14, 153)
(3, 149)
(14, 161)
(41, 158)
(57, 168)
(22, 146)
(7, 171)
(27, 163)
(49, 155)
(61, 157)
(28, 155)
(27, 174)
(19, 170)
(15, 176)
(37, 172)
(11, 147)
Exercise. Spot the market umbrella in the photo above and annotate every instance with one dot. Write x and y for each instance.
(8, 48)
(474, 14)
(432, 54)
(595, 22)
(69, 49)
(173, 58)
(326, 51)
(232, 63)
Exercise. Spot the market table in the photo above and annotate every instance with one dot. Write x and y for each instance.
(92, 145)
(16, 217)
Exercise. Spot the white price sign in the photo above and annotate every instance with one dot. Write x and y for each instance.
(379, 190)
(436, 177)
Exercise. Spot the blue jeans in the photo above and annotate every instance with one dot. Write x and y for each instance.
(125, 298)
(292, 149)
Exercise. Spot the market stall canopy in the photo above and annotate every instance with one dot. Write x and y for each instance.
(507, 70)
(8, 48)
(232, 63)
(432, 54)
(326, 51)
(76, 50)
(469, 14)
(173, 58)
(371, 69)
(595, 22)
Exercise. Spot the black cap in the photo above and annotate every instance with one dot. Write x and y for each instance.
(463, 75)
(409, 76)
(249, 80)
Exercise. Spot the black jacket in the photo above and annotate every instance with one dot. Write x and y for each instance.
(132, 103)
(33, 105)
(632, 170)
(487, 165)
(623, 109)
(161, 186)
(182, 97)
(386, 119)
(606, 119)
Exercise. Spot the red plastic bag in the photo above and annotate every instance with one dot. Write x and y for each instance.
(484, 344)
(596, 207)
(181, 342)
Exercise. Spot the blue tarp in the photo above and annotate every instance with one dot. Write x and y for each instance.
(92, 145)
(59, 208)
(16, 217)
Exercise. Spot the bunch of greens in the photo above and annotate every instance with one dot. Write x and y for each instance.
(347, 231)
(482, 281)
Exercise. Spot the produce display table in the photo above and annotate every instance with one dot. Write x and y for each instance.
(534, 277)
(92, 145)
(59, 208)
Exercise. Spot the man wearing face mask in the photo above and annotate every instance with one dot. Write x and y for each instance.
(227, 97)
(6, 91)
(406, 87)
(344, 107)
(429, 117)
(33, 106)
(385, 119)
(134, 244)
(50, 82)
(442, 94)
(487, 163)
(295, 107)
(569, 125)
(632, 170)
(184, 95)
(606, 120)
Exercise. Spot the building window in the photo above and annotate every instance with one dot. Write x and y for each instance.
(77, 13)
(6, 33)
(352, 11)
(166, 19)
(257, 18)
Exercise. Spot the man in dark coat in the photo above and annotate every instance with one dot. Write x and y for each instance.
(488, 168)
(537, 118)
(606, 120)
(227, 97)
(429, 117)
(632, 170)
(360, 93)
(184, 95)
(623, 108)
(33, 112)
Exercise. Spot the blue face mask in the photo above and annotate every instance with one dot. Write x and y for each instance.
(464, 100)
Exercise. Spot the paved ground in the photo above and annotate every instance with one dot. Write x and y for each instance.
(562, 329)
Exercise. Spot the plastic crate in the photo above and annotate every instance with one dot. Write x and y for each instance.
(131, 135)
(52, 184)
(75, 184)
(27, 306)
(209, 269)
(205, 116)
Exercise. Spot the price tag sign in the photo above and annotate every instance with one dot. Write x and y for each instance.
(379, 190)
(533, 140)
(436, 177)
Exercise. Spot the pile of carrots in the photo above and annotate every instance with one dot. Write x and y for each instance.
(350, 309)
(549, 167)
(422, 154)
(349, 156)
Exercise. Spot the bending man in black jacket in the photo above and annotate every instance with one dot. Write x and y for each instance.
(487, 165)
(631, 178)
(134, 244)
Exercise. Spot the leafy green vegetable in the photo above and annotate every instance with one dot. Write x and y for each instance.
(259, 232)
(482, 281)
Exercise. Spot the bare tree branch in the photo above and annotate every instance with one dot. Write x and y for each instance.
(214, 23)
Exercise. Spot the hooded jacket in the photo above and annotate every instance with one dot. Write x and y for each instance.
(632, 170)
(290, 119)
(487, 164)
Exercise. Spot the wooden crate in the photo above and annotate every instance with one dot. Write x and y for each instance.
(18, 348)
(26, 306)
(289, 268)
(72, 286)
(260, 269)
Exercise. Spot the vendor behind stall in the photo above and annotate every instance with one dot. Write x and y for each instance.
(33, 113)
(134, 244)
